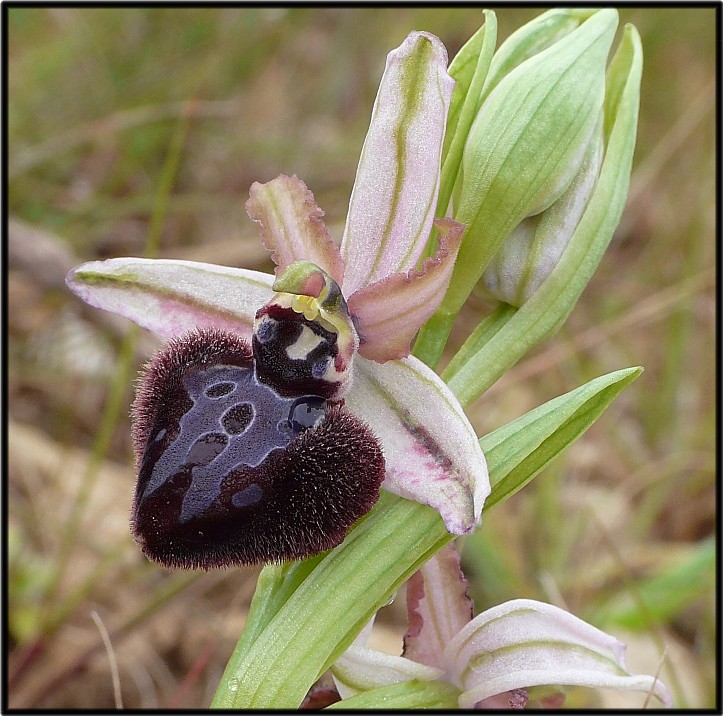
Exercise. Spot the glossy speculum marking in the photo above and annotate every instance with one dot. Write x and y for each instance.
(232, 472)
(296, 355)
(223, 430)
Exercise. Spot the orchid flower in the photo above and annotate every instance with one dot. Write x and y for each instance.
(264, 428)
(281, 404)
(489, 661)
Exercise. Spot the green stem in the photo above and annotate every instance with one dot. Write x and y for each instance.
(432, 338)
(485, 331)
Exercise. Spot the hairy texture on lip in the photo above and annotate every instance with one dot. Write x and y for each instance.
(162, 374)
(307, 497)
(296, 355)
(231, 472)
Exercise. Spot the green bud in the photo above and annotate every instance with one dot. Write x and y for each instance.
(507, 334)
(529, 137)
(530, 253)
(532, 38)
(526, 144)
(476, 72)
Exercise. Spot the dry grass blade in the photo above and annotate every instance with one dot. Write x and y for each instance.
(117, 695)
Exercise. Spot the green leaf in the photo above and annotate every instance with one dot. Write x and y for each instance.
(466, 67)
(413, 694)
(627, 60)
(485, 330)
(517, 451)
(323, 615)
(469, 69)
(276, 583)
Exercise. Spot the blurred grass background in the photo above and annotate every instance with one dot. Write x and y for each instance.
(126, 123)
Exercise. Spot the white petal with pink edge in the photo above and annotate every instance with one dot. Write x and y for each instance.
(431, 450)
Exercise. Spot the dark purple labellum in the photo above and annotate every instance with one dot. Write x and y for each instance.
(232, 472)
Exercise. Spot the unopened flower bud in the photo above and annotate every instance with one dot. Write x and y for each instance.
(528, 256)
(535, 121)
(548, 294)
(530, 135)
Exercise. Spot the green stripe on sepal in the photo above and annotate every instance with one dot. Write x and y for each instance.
(395, 191)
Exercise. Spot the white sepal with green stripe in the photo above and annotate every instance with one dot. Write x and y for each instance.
(395, 192)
